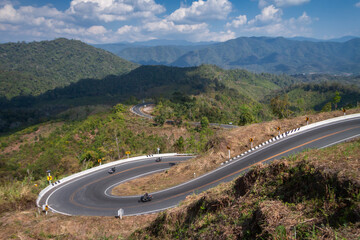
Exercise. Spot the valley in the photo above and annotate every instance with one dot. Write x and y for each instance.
(64, 110)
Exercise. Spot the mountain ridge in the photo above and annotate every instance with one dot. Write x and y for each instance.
(257, 54)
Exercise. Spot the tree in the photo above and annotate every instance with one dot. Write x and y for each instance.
(326, 107)
(204, 122)
(119, 108)
(280, 107)
(336, 99)
(179, 144)
(160, 119)
(246, 117)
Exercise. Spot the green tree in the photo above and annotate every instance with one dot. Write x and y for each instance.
(160, 119)
(119, 108)
(179, 144)
(204, 122)
(280, 107)
(336, 99)
(246, 117)
(326, 107)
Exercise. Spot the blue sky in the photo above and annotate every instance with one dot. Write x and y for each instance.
(108, 21)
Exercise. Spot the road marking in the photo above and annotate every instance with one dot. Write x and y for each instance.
(129, 179)
(245, 168)
(103, 178)
(192, 190)
(343, 140)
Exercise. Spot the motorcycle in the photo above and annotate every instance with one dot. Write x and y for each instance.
(145, 198)
(111, 170)
(158, 159)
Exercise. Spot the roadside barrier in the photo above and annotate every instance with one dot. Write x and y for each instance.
(293, 131)
(103, 166)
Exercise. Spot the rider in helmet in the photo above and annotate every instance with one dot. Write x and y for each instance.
(146, 195)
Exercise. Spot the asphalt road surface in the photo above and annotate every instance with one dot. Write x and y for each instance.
(137, 110)
(91, 194)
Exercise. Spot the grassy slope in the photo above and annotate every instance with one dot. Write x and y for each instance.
(322, 202)
(312, 195)
(236, 139)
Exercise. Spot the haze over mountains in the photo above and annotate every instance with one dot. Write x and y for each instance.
(258, 54)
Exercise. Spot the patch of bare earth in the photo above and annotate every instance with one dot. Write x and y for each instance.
(148, 109)
(43, 130)
(238, 141)
(32, 225)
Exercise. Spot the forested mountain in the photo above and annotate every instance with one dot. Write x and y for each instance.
(193, 92)
(279, 55)
(33, 68)
(259, 54)
(156, 55)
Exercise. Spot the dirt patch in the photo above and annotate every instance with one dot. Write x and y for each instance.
(148, 109)
(238, 141)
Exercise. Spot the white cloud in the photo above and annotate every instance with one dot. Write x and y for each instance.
(238, 21)
(357, 5)
(202, 10)
(114, 10)
(280, 27)
(268, 14)
(167, 29)
(97, 21)
(9, 14)
(281, 3)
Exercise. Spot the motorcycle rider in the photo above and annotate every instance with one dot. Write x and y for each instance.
(146, 196)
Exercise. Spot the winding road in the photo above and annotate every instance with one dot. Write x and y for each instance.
(91, 194)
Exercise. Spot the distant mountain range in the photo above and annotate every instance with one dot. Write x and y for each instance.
(258, 54)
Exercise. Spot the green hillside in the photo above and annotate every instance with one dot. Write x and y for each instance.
(231, 88)
(220, 95)
(36, 67)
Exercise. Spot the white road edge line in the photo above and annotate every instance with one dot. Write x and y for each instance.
(153, 211)
(343, 140)
(254, 152)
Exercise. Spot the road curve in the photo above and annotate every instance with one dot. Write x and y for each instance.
(90, 194)
(137, 110)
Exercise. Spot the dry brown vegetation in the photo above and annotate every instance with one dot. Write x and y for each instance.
(314, 195)
(24, 221)
(43, 130)
(31, 224)
(237, 139)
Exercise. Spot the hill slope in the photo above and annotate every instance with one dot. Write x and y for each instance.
(313, 195)
(33, 68)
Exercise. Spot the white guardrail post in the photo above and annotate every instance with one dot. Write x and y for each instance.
(297, 130)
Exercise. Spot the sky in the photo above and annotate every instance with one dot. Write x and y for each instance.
(111, 21)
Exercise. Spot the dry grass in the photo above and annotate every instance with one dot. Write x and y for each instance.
(314, 195)
(32, 225)
(43, 130)
(237, 139)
